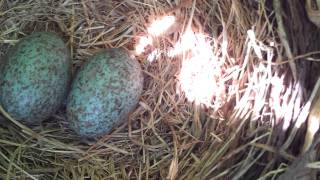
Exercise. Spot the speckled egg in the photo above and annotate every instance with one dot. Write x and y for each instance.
(105, 90)
(34, 77)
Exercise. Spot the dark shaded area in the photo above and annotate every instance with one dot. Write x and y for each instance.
(303, 37)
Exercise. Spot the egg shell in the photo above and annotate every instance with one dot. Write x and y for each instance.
(104, 92)
(34, 77)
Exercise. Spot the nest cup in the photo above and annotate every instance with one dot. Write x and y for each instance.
(231, 128)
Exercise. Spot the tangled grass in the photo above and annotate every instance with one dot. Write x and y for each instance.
(249, 130)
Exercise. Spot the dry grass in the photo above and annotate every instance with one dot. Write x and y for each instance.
(166, 136)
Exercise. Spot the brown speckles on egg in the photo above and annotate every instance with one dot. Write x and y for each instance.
(34, 77)
(106, 89)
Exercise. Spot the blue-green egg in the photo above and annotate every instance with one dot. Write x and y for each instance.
(34, 77)
(104, 92)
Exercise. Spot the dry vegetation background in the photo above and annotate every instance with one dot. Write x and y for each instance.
(251, 133)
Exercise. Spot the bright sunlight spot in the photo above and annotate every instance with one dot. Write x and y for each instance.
(161, 25)
(143, 43)
(201, 76)
(200, 71)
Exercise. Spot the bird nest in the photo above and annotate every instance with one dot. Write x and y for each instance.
(225, 95)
